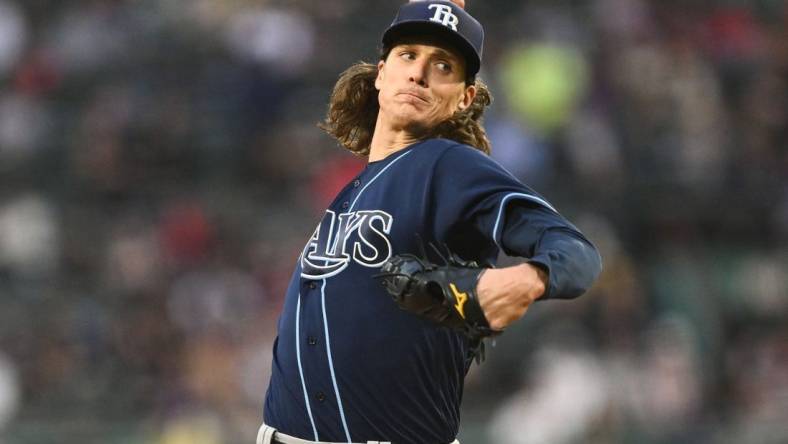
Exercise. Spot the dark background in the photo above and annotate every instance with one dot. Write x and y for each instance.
(160, 170)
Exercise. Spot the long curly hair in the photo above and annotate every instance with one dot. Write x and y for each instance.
(353, 112)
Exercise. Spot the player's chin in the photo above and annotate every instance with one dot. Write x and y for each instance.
(416, 120)
(410, 118)
(419, 122)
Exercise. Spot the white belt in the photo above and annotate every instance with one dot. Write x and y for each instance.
(269, 435)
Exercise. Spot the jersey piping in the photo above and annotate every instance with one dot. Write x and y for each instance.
(495, 234)
(331, 361)
(353, 205)
(325, 318)
(376, 176)
(301, 369)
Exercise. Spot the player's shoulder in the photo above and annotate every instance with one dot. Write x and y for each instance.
(460, 156)
(447, 148)
(460, 160)
(455, 158)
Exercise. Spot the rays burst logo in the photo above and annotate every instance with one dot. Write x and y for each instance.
(360, 236)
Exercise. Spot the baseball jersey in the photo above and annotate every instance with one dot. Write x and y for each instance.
(348, 364)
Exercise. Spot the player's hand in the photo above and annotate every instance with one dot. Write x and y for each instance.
(442, 293)
(506, 293)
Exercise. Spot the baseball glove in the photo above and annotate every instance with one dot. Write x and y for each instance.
(444, 294)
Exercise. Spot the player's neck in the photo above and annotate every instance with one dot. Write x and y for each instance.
(387, 140)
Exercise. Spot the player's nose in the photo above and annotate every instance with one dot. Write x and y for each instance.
(418, 72)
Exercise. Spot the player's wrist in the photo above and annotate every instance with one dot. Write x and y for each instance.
(544, 279)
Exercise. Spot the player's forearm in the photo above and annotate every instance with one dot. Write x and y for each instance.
(548, 240)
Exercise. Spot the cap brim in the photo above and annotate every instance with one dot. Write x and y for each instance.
(418, 28)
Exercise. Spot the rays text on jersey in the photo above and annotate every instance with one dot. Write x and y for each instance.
(361, 236)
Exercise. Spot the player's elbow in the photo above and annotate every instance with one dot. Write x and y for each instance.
(577, 265)
(588, 270)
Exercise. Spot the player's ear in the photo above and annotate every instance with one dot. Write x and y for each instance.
(379, 78)
(467, 97)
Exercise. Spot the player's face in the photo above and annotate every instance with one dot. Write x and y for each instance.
(421, 84)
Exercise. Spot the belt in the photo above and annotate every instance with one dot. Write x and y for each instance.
(269, 435)
(281, 438)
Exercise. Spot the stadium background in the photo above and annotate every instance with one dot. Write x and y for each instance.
(160, 170)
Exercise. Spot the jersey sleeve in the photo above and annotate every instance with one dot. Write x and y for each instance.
(473, 192)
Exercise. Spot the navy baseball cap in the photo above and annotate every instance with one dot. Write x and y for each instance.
(442, 18)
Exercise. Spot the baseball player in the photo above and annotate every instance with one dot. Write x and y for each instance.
(395, 290)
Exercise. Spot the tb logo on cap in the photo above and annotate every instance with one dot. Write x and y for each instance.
(444, 16)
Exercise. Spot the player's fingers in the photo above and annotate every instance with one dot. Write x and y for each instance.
(505, 312)
(503, 320)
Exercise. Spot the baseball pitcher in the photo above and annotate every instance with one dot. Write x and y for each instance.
(396, 290)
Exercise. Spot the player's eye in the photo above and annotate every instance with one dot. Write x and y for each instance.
(407, 55)
(444, 67)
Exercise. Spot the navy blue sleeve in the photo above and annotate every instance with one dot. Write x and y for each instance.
(551, 242)
(472, 190)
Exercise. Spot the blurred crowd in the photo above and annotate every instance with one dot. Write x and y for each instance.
(160, 171)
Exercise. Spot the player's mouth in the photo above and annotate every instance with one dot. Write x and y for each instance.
(414, 96)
